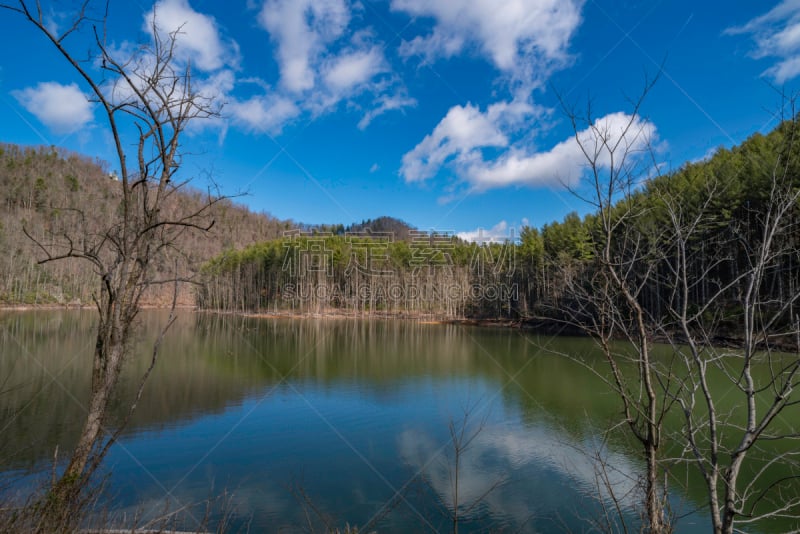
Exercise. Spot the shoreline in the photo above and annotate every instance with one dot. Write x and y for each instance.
(542, 326)
(55, 307)
(548, 327)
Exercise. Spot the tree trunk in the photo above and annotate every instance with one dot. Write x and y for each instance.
(107, 367)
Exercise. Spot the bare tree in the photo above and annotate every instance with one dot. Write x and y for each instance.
(604, 300)
(735, 444)
(148, 100)
(652, 278)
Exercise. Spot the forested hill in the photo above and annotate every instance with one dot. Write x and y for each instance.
(39, 186)
(710, 216)
(386, 226)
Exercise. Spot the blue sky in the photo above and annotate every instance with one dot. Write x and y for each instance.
(444, 113)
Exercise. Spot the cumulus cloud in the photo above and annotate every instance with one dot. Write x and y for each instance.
(322, 62)
(458, 140)
(523, 32)
(313, 78)
(216, 86)
(198, 38)
(565, 163)
(301, 29)
(463, 130)
(459, 136)
(777, 35)
(64, 109)
(263, 114)
(352, 69)
(526, 41)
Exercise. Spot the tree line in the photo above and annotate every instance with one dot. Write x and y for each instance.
(365, 273)
(544, 271)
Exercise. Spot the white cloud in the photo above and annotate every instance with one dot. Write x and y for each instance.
(199, 37)
(345, 75)
(215, 89)
(351, 69)
(458, 138)
(785, 70)
(217, 86)
(565, 163)
(301, 29)
(385, 103)
(522, 32)
(323, 62)
(433, 46)
(459, 135)
(64, 109)
(263, 114)
(776, 34)
(459, 132)
(526, 40)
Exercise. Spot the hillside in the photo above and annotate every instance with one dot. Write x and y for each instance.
(44, 188)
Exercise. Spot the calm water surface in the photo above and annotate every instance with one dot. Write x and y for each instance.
(304, 423)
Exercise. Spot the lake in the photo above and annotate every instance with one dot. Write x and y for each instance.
(303, 424)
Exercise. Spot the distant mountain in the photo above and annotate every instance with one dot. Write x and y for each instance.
(399, 229)
(383, 225)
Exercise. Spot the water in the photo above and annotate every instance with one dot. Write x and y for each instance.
(308, 424)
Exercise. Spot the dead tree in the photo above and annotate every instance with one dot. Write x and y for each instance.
(736, 403)
(148, 101)
(732, 403)
(602, 297)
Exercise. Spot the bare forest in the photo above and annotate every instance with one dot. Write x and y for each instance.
(43, 187)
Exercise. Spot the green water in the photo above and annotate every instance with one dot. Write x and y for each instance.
(314, 423)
